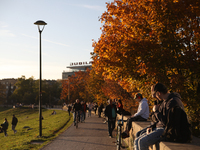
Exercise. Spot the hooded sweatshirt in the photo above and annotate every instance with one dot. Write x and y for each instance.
(143, 109)
(174, 99)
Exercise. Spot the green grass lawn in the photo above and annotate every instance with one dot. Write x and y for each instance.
(28, 128)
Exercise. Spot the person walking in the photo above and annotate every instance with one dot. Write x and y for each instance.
(14, 123)
(90, 106)
(100, 109)
(5, 126)
(141, 115)
(95, 108)
(69, 108)
(84, 108)
(111, 113)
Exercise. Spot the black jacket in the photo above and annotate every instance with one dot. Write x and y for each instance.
(77, 106)
(108, 111)
(173, 100)
(14, 121)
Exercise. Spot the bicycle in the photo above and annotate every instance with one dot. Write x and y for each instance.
(120, 123)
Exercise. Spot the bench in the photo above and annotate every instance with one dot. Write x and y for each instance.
(139, 125)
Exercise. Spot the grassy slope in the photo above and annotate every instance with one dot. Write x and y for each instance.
(52, 125)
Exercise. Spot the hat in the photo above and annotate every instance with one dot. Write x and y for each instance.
(138, 95)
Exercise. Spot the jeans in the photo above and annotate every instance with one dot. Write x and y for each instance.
(141, 132)
(13, 128)
(145, 140)
(89, 113)
(82, 116)
(5, 132)
(111, 126)
(75, 116)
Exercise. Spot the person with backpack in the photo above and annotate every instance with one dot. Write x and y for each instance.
(155, 132)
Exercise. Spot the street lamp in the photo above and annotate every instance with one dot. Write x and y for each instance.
(41, 24)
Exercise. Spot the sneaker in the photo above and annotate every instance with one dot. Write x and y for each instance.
(110, 136)
(15, 131)
(124, 135)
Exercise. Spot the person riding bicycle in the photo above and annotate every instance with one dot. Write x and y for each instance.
(77, 107)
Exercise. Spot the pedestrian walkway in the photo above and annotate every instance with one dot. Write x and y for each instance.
(91, 135)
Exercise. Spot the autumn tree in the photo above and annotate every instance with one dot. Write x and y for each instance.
(76, 87)
(149, 41)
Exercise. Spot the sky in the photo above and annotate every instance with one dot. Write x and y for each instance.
(67, 37)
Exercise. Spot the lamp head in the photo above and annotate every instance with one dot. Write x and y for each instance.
(40, 22)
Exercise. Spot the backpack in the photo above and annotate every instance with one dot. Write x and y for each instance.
(177, 129)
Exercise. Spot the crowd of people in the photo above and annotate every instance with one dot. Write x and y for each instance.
(80, 109)
(162, 116)
(167, 116)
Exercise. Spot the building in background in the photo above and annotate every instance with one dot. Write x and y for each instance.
(75, 67)
(7, 88)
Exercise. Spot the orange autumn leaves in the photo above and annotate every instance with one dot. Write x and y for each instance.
(151, 41)
(144, 42)
(148, 38)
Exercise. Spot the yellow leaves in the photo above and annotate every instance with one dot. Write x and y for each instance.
(175, 1)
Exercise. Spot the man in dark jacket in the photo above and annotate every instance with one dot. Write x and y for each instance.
(154, 133)
(77, 107)
(14, 123)
(100, 109)
(69, 109)
(111, 113)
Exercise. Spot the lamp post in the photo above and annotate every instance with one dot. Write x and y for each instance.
(41, 24)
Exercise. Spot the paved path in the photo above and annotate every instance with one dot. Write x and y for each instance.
(91, 135)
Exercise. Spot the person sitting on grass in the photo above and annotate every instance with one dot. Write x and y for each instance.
(141, 115)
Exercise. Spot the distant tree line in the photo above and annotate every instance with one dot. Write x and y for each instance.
(27, 92)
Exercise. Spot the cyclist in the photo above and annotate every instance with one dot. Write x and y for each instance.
(77, 107)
